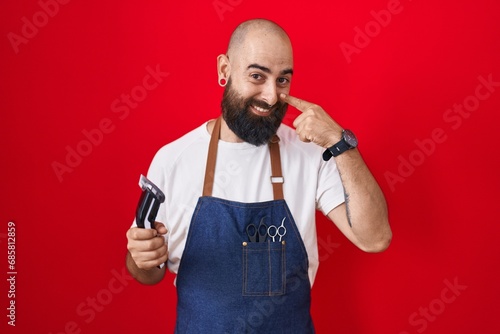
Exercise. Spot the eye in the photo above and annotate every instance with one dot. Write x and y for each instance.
(283, 81)
(256, 76)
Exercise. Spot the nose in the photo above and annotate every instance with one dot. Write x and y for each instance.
(269, 93)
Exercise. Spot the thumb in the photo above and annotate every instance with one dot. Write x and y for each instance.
(160, 227)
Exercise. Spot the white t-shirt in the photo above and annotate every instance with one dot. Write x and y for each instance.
(242, 174)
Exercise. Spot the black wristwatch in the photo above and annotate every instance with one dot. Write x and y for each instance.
(348, 142)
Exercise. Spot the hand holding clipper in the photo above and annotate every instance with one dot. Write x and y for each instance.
(144, 247)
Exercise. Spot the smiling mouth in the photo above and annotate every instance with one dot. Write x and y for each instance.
(260, 111)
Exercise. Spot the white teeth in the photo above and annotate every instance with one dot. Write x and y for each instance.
(260, 109)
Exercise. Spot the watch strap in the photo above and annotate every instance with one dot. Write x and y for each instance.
(336, 150)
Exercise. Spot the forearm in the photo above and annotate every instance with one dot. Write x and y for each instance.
(363, 218)
(150, 277)
(366, 208)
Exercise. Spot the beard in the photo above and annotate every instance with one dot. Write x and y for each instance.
(254, 129)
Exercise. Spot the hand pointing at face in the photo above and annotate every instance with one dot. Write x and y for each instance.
(314, 124)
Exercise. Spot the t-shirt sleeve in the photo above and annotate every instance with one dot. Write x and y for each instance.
(330, 191)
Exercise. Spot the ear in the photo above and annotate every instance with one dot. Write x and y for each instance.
(223, 67)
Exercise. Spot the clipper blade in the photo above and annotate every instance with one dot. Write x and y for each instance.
(145, 184)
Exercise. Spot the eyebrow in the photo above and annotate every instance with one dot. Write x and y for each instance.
(267, 70)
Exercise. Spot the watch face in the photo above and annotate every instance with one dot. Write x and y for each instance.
(350, 138)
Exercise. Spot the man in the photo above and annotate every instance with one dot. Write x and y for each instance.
(245, 252)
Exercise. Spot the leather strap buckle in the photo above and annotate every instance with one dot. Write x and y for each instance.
(277, 179)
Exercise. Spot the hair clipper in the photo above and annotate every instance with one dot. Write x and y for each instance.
(149, 203)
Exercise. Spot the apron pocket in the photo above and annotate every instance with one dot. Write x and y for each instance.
(264, 272)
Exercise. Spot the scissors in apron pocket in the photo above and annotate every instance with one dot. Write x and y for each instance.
(279, 231)
(257, 234)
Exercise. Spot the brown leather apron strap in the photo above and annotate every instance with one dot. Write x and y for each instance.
(274, 151)
(211, 158)
(276, 175)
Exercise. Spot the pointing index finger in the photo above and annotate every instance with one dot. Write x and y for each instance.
(299, 104)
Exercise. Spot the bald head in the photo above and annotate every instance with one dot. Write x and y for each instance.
(256, 29)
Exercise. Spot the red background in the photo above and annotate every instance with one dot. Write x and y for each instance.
(395, 91)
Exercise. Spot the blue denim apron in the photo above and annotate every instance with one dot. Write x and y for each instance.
(227, 284)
